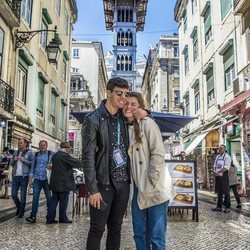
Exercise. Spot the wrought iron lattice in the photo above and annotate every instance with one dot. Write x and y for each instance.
(15, 5)
(6, 97)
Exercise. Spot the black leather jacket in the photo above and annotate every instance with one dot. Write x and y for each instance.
(95, 148)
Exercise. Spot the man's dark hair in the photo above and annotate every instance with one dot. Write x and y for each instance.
(117, 82)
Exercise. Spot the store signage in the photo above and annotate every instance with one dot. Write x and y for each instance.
(183, 174)
(71, 136)
(230, 128)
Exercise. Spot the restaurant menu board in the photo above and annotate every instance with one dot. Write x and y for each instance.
(184, 181)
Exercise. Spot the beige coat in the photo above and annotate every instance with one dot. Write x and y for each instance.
(148, 168)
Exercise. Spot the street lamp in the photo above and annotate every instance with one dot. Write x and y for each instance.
(52, 49)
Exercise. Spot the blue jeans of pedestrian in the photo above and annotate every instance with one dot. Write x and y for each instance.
(38, 185)
(63, 199)
(19, 182)
(149, 225)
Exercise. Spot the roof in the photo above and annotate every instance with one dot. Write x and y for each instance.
(141, 7)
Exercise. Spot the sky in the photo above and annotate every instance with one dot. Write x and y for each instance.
(91, 24)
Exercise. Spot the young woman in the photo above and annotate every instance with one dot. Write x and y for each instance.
(152, 182)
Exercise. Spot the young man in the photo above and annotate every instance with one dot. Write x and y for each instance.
(106, 165)
(21, 162)
(38, 178)
(221, 166)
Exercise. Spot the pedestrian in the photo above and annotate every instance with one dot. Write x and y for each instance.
(106, 165)
(61, 183)
(221, 166)
(38, 177)
(233, 183)
(21, 162)
(152, 181)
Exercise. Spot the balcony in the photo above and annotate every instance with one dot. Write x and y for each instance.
(11, 10)
(82, 93)
(241, 6)
(6, 97)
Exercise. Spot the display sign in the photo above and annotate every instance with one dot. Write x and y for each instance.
(71, 136)
(183, 174)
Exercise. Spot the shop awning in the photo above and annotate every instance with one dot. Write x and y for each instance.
(195, 142)
(168, 123)
(237, 100)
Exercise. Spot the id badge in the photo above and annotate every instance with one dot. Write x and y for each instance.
(118, 158)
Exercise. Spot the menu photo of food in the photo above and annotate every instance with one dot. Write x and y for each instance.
(183, 199)
(181, 169)
(183, 184)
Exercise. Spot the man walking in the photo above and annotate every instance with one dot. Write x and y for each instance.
(38, 177)
(106, 165)
(221, 166)
(21, 162)
(62, 182)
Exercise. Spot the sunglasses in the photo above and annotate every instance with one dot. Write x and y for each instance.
(120, 93)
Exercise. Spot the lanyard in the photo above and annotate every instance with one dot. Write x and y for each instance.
(118, 133)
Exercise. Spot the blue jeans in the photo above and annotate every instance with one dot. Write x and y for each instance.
(63, 199)
(17, 183)
(149, 225)
(38, 185)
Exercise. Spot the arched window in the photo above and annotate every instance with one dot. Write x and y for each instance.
(126, 39)
(118, 63)
(126, 63)
(130, 63)
(122, 63)
(122, 39)
(118, 38)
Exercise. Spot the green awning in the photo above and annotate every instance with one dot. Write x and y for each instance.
(46, 15)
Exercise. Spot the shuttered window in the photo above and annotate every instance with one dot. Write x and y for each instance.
(40, 100)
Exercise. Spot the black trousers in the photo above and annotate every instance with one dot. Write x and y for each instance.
(112, 216)
(236, 194)
(226, 200)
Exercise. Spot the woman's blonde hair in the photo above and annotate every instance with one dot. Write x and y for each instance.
(141, 102)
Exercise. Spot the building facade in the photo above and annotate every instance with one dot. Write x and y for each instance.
(88, 60)
(124, 19)
(213, 56)
(41, 88)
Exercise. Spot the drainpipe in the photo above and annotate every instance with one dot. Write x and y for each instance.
(242, 153)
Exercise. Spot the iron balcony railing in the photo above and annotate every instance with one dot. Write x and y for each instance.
(15, 5)
(6, 97)
(236, 2)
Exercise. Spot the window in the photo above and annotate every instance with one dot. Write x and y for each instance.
(210, 85)
(186, 60)
(194, 6)
(27, 10)
(74, 70)
(44, 35)
(207, 23)
(1, 48)
(197, 98)
(194, 35)
(176, 50)
(53, 108)
(62, 120)
(184, 18)
(64, 71)
(66, 22)
(21, 86)
(226, 5)
(40, 101)
(176, 97)
(58, 7)
(187, 106)
(176, 72)
(229, 69)
(76, 53)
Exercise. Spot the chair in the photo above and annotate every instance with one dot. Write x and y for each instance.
(82, 201)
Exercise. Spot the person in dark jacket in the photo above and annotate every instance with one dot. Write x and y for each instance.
(106, 165)
(61, 183)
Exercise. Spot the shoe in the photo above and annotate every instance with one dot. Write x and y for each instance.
(31, 219)
(51, 222)
(217, 209)
(66, 222)
(227, 210)
(20, 216)
(239, 206)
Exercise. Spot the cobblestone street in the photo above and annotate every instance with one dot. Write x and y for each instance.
(214, 231)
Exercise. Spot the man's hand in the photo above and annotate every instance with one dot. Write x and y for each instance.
(95, 200)
(21, 158)
(30, 181)
(140, 113)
